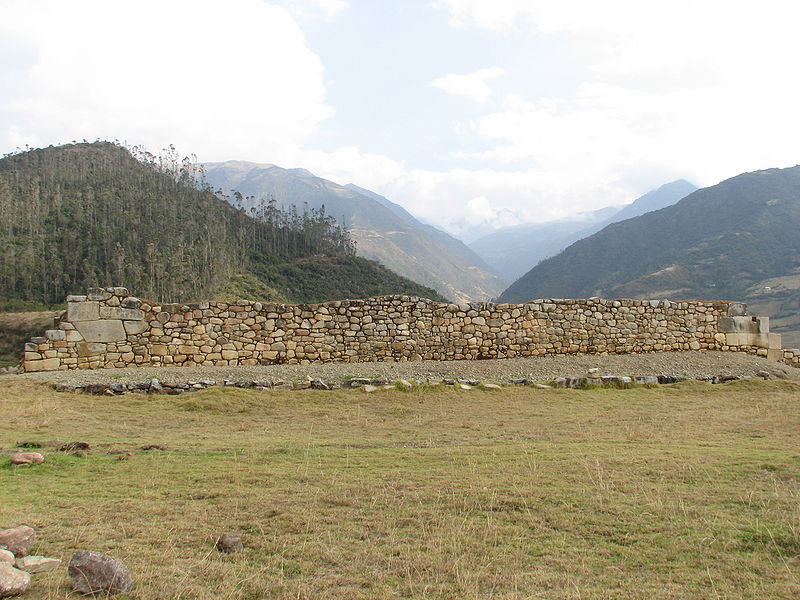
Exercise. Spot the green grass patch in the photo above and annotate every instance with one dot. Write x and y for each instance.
(681, 491)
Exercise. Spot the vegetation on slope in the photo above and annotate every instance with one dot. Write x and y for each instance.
(81, 215)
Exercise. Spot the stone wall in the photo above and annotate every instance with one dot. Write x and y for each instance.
(110, 328)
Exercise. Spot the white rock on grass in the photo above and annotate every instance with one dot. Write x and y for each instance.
(37, 564)
(13, 582)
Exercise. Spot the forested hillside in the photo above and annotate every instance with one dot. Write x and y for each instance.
(81, 215)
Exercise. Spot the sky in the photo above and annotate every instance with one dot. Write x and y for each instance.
(472, 114)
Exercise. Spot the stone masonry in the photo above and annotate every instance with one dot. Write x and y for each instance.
(110, 328)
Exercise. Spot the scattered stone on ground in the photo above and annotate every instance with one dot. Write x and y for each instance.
(230, 542)
(665, 366)
(17, 540)
(75, 446)
(96, 573)
(7, 557)
(37, 564)
(370, 388)
(13, 582)
(26, 458)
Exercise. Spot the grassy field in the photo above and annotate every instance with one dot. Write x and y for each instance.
(684, 491)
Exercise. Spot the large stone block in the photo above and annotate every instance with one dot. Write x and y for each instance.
(136, 327)
(763, 324)
(775, 341)
(90, 348)
(737, 325)
(102, 331)
(46, 364)
(74, 336)
(125, 314)
(83, 311)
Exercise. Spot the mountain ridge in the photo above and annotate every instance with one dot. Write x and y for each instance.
(723, 242)
(382, 230)
(513, 251)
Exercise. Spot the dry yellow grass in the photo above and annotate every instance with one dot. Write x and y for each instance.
(686, 491)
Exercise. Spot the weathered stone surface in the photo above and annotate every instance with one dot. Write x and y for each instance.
(83, 311)
(13, 582)
(96, 573)
(101, 331)
(6, 556)
(47, 364)
(124, 314)
(37, 564)
(230, 542)
(98, 294)
(131, 302)
(90, 348)
(55, 335)
(17, 540)
(739, 324)
(135, 327)
(26, 458)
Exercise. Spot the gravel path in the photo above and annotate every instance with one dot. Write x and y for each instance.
(686, 364)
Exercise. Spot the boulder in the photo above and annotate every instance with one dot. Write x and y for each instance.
(37, 564)
(230, 542)
(18, 540)
(93, 572)
(26, 458)
(13, 582)
(7, 557)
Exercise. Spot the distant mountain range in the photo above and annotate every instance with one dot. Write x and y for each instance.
(512, 251)
(382, 230)
(738, 240)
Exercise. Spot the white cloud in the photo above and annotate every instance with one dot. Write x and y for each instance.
(232, 80)
(692, 89)
(474, 86)
(328, 9)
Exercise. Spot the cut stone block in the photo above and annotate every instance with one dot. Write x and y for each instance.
(125, 314)
(74, 336)
(737, 309)
(775, 341)
(102, 331)
(775, 354)
(47, 364)
(76, 298)
(98, 294)
(55, 335)
(83, 311)
(90, 349)
(763, 324)
(737, 325)
(136, 327)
